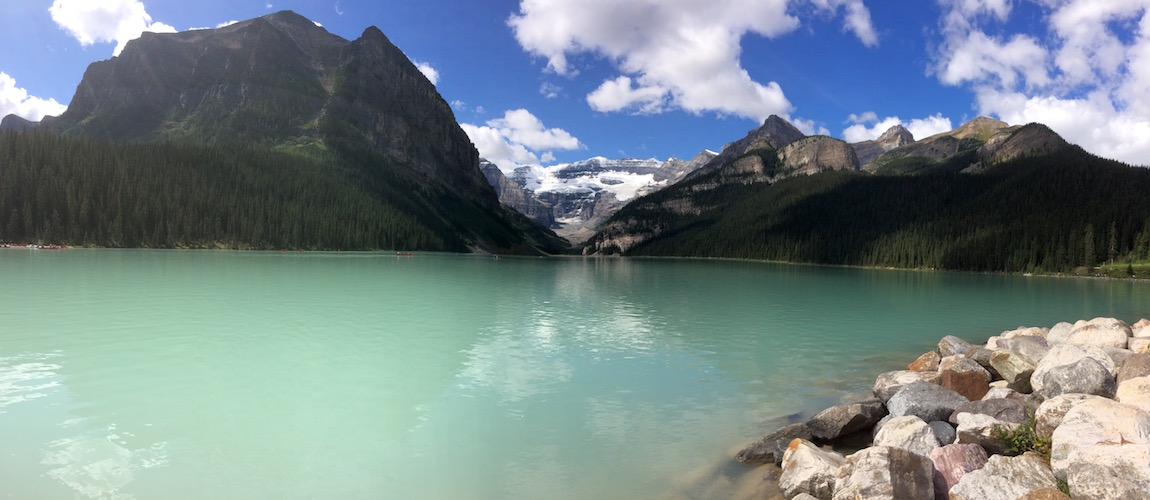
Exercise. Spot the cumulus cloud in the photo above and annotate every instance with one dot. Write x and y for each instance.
(519, 138)
(867, 126)
(16, 101)
(1085, 72)
(430, 72)
(105, 21)
(682, 54)
(550, 90)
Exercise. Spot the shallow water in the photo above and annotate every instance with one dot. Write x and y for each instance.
(210, 374)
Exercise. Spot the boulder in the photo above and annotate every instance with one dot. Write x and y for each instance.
(1003, 393)
(1066, 354)
(1140, 331)
(1044, 494)
(1059, 333)
(980, 429)
(1014, 368)
(770, 449)
(1142, 323)
(1006, 410)
(1031, 347)
(1138, 344)
(1086, 376)
(883, 472)
(970, 384)
(809, 469)
(1118, 356)
(803, 496)
(909, 433)
(924, 400)
(838, 421)
(1050, 413)
(1101, 441)
(1100, 332)
(925, 363)
(943, 432)
(1135, 392)
(953, 461)
(951, 345)
(950, 362)
(1005, 478)
(981, 355)
(1137, 365)
(887, 384)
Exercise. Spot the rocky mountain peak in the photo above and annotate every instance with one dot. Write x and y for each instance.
(894, 137)
(776, 133)
(981, 128)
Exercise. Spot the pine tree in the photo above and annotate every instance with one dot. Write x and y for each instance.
(1088, 260)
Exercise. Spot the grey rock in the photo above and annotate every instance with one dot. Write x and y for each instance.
(1137, 365)
(1030, 346)
(1087, 376)
(1119, 356)
(809, 469)
(889, 383)
(951, 463)
(1065, 354)
(885, 473)
(770, 449)
(951, 345)
(926, 401)
(981, 355)
(1006, 410)
(943, 432)
(1005, 478)
(1014, 368)
(1059, 333)
(1003, 393)
(838, 421)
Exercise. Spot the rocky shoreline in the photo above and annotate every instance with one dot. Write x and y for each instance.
(1034, 413)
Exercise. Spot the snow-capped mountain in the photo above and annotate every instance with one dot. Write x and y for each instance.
(585, 193)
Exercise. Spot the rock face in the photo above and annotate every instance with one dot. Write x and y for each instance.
(812, 155)
(513, 196)
(1012, 143)
(1101, 448)
(882, 472)
(842, 420)
(951, 463)
(967, 138)
(1005, 478)
(869, 151)
(808, 469)
(775, 133)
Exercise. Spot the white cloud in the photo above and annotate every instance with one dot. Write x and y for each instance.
(458, 104)
(226, 24)
(1085, 72)
(550, 90)
(16, 101)
(868, 127)
(105, 21)
(681, 54)
(519, 138)
(268, 5)
(338, 9)
(809, 127)
(431, 73)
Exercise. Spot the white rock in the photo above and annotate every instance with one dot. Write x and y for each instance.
(1135, 392)
(1059, 333)
(1107, 433)
(1139, 344)
(1005, 478)
(979, 429)
(887, 384)
(886, 473)
(1100, 332)
(909, 433)
(809, 469)
(1051, 412)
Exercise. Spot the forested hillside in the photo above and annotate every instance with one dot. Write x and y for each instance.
(73, 191)
(1050, 212)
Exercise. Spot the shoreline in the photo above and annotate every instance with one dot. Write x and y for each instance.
(1033, 411)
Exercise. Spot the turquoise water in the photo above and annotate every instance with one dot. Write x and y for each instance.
(211, 374)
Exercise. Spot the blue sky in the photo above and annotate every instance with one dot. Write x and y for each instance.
(548, 81)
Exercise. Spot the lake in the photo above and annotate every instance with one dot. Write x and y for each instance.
(218, 374)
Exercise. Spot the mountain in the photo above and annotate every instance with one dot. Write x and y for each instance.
(1004, 199)
(579, 196)
(774, 133)
(869, 151)
(17, 124)
(283, 84)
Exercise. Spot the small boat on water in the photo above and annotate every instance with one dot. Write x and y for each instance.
(404, 254)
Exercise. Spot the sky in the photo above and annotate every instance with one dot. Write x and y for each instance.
(542, 82)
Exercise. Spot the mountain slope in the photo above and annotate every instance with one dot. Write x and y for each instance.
(1043, 205)
(869, 151)
(282, 83)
